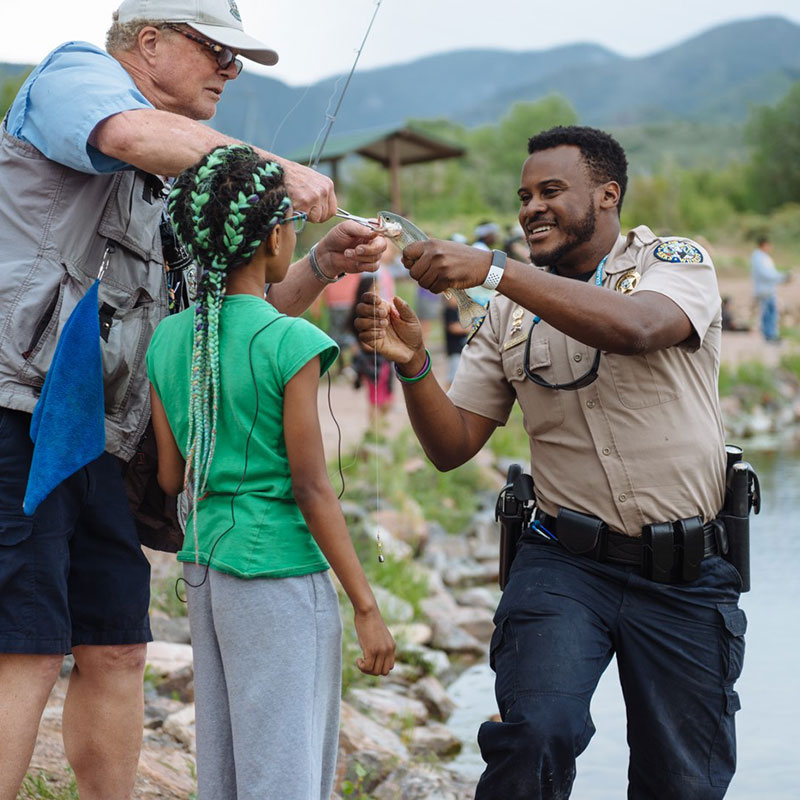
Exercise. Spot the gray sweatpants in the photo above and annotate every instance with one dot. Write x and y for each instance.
(267, 677)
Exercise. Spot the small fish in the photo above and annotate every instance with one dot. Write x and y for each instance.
(403, 232)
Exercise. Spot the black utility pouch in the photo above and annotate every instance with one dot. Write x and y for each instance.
(690, 544)
(658, 552)
(579, 533)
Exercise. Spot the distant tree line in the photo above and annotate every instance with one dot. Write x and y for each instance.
(757, 190)
(9, 86)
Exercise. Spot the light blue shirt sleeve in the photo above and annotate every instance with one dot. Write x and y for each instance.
(75, 87)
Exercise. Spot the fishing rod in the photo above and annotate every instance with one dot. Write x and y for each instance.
(314, 161)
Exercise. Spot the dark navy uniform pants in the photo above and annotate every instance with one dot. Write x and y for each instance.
(679, 650)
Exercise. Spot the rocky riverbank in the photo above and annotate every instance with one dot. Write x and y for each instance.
(394, 737)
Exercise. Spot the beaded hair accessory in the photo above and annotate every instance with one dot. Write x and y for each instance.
(222, 209)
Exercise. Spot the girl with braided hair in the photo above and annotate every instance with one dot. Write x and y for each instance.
(234, 396)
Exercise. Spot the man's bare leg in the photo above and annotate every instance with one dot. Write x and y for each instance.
(25, 684)
(103, 719)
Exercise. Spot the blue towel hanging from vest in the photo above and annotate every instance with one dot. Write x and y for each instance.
(68, 426)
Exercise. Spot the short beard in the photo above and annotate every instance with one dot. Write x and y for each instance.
(577, 233)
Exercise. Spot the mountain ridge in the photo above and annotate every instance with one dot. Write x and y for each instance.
(712, 77)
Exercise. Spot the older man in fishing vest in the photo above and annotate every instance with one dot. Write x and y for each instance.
(82, 148)
(611, 349)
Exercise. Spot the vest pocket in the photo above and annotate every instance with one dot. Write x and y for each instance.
(123, 355)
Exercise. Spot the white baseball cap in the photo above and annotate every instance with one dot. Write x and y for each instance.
(217, 19)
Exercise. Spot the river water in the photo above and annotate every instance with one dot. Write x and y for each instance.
(769, 688)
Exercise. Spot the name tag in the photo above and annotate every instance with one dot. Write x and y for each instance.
(514, 341)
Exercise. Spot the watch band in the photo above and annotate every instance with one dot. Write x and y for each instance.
(496, 270)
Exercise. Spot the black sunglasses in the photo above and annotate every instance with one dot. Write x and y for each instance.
(584, 380)
(224, 55)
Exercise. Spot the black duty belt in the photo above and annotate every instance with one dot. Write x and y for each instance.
(660, 559)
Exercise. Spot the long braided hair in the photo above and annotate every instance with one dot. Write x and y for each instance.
(222, 209)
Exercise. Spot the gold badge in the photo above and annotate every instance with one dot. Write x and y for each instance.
(516, 320)
(628, 282)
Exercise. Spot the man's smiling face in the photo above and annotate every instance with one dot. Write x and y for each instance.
(558, 210)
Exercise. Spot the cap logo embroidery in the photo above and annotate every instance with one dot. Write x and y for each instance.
(234, 10)
(678, 251)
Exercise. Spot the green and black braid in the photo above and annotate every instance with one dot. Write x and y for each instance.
(222, 209)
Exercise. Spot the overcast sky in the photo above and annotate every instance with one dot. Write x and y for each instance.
(319, 38)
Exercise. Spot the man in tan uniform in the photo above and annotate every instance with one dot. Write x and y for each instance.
(610, 344)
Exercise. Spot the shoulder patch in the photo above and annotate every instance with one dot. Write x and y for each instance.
(476, 326)
(678, 251)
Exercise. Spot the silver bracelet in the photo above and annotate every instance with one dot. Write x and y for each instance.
(317, 272)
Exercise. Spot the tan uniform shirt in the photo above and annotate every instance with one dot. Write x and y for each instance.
(644, 443)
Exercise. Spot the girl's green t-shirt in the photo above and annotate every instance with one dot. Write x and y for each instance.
(248, 523)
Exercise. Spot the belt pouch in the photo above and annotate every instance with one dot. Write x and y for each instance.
(690, 543)
(579, 533)
(658, 552)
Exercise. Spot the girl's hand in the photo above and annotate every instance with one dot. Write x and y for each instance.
(377, 644)
(390, 328)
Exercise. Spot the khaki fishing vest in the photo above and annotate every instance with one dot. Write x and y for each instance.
(55, 225)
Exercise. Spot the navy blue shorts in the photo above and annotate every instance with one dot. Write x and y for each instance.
(73, 573)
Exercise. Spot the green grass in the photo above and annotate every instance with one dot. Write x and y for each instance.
(448, 498)
(163, 595)
(753, 382)
(790, 362)
(45, 787)
(510, 440)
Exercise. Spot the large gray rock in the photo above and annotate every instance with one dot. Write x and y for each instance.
(179, 683)
(180, 726)
(393, 608)
(447, 635)
(157, 709)
(431, 692)
(423, 782)
(387, 707)
(170, 629)
(357, 733)
(165, 658)
(412, 633)
(477, 621)
(433, 738)
(433, 661)
(366, 769)
(408, 524)
(481, 596)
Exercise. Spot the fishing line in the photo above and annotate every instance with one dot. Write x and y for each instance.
(328, 120)
(376, 289)
(314, 161)
(286, 117)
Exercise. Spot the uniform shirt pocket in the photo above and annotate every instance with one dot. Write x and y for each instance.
(643, 381)
(542, 408)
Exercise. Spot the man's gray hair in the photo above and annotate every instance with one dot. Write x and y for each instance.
(123, 35)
